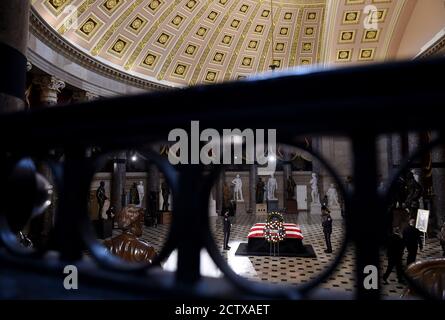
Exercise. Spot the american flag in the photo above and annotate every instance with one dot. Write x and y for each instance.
(292, 231)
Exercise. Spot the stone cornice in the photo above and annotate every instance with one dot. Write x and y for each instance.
(436, 48)
(50, 37)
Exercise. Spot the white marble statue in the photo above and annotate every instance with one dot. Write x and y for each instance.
(315, 195)
(105, 208)
(238, 190)
(271, 188)
(332, 197)
(141, 192)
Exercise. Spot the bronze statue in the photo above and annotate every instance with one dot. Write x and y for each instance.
(165, 195)
(290, 187)
(127, 245)
(414, 192)
(134, 194)
(260, 191)
(101, 197)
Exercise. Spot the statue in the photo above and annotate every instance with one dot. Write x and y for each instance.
(105, 208)
(271, 188)
(127, 245)
(134, 194)
(141, 192)
(101, 197)
(238, 190)
(332, 197)
(290, 187)
(165, 189)
(414, 193)
(315, 195)
(260, 191)
(124, 198)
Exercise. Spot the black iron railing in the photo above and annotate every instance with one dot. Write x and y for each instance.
(358, 103)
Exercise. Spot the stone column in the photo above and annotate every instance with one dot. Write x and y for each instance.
(414, 143)
(316, 147)
(14, 21)
(50, 88)
(219, 192)
(396, 148)
(287, 171)
(437, 216)
(153, 185)
(118, 178)
(252, 185)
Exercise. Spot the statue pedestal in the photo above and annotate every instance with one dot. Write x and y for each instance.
(103, 228)
(272, 205)
(240, 207)
(165, 217)
(315, 208)
(291, 206)
(335, 212)
(261, 208)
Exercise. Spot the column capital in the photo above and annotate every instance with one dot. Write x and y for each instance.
(28, 65)
(49, 82)
(49, 87)
(91, 96)
(84, 96)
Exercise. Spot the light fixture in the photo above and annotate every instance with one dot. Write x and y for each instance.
(271, 158)
(134, 158)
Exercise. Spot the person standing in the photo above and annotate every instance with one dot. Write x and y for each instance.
(413, 241)
(101, 197)
(395, 249)
(227, 226)
(442, 238)
(326, 222)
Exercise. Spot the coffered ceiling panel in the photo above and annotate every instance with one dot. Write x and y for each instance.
(186, 42)
(363, 30)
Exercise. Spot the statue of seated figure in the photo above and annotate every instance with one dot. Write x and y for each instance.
(127, 245)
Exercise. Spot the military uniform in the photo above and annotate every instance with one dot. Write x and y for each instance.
(227, 227)
(413, 241)
(326, 222)
(395, 249)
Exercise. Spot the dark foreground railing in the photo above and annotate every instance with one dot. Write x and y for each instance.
(357, 103)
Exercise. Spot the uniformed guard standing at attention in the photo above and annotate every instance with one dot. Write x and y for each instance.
(227, 227)
(326, 222)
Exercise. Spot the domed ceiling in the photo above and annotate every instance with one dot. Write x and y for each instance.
(185, 42)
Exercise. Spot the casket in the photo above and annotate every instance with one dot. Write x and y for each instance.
(292, 243)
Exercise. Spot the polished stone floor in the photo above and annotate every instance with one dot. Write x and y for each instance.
(286, 270)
